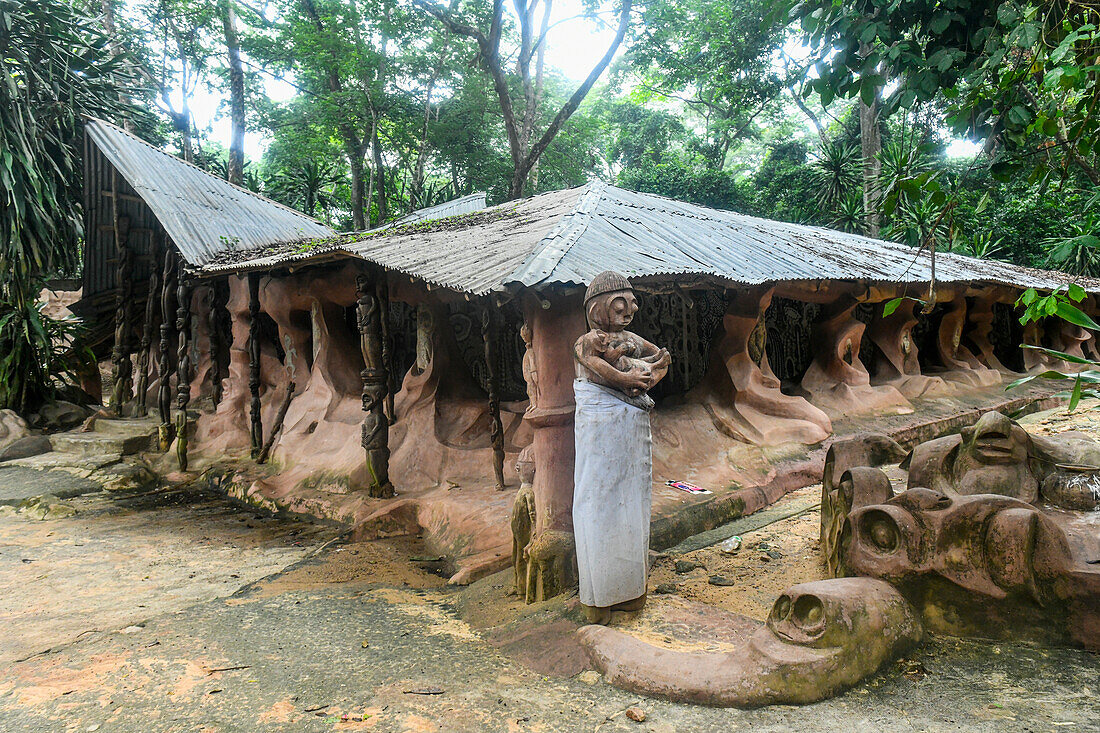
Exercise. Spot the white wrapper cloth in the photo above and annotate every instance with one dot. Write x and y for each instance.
(613, 486)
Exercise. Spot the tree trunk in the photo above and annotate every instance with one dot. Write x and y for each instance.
(871, 145)
(236, 94)
(379, 172)
(108, 7)
(870, 139)
(354, 153)
(353, 146)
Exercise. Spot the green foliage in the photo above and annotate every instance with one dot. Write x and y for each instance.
(680, 180)
(837, 169)
(1022, 72)
(54, 67)
(37, 353)
(1061, 304)
(718, 57)
(1078, 250)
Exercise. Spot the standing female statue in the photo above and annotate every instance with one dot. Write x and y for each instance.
(614, 473)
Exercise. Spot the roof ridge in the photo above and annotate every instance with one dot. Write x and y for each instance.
(560, 239)
(242, 189)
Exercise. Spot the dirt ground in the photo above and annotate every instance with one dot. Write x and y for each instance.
(176, 610)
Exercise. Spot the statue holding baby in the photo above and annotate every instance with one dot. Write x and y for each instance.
(614, 465)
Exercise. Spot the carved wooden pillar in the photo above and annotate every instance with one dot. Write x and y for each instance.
(147, 331)
(554, 330)
(257, 426)
(216, 319)
(382, 291)
(490, 331)
(183, 364)
(122, 366)
(375, 385)
(167, 319)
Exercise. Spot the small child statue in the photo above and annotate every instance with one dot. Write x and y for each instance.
(613, 476)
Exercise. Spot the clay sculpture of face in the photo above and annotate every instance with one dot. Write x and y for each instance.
(997, 456)
(820, 638)
(989, 458)
(990, 545)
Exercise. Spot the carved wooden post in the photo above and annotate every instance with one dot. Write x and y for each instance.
(375, 387)
(167, 319)
(219, 298)
(382, 291)
(552, 553)
(123, 368)
(490, 331)
(147, 332)
(257, 433)
(183, 364)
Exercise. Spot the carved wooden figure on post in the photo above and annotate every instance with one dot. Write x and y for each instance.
(256, 432)
(122, 377)
(613, 473)
(490, 329)
(375, 388)
(167, 319)
(183, 365)
(142, 385)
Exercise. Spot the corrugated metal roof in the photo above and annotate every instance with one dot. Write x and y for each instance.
(640, 234)
(568, 237)
(454, 207)
(470, 253)
(203, 214)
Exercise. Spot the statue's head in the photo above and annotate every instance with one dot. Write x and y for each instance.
(995, 440)
(609, 302)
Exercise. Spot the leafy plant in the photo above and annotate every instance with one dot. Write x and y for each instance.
(982, 245)
(37, 353)
(836, 166)
(54, 67)
(1077, 253)
(1060, 304)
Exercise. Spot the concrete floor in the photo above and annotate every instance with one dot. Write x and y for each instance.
(176, 611)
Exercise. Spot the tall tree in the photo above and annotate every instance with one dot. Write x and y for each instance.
(1021, 75)
(236, 93)
(519, 127)
(717, 57)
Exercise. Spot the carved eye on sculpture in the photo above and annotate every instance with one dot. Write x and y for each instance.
(799, 618)
(782, 608)
(880, 532)
(808, 614)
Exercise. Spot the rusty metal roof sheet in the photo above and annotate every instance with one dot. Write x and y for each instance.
(644, 235)
(204, 215)
(472, 252)
(570, 236)
(454, 207)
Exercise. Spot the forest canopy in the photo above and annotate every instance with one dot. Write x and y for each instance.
(970, 126)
